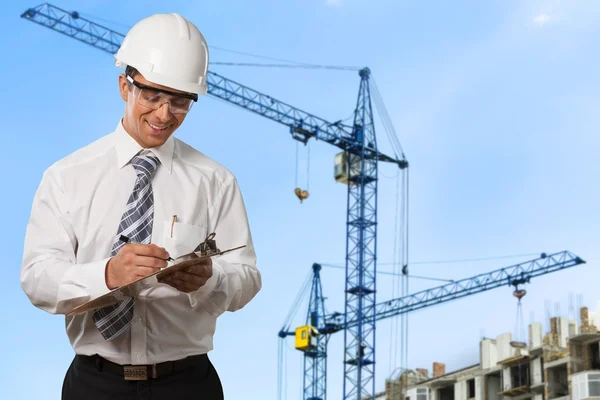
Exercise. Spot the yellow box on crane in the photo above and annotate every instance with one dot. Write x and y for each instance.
(306, 337)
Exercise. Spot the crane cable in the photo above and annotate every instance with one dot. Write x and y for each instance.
(290, 63)
(296, 64)
(282, 371)
(405, 250)
(280, 368)
(462, 260)
(400, 236)
(393, 273)
(404, 254)
(299, 298)
(386, 120)
(400, 285)
(302, 194)
(400, 255)
(393, 351)
(519, 334)
(282, 348)
(238, 64)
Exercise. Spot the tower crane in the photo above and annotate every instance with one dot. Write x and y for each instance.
(356, 165)
(313, 337)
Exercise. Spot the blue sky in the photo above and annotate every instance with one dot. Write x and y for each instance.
(495, 104)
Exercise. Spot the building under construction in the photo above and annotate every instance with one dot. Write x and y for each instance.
(563, 364)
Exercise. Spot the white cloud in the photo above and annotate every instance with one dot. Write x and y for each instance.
(542, 19)
(572, 15)
(334, 3)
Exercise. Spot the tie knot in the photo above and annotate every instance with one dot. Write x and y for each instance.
(144, 165)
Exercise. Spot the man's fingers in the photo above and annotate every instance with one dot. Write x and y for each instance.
(149, 250)
(177, 283)
(192, 281)
(146, 261)
(199, 269)
(195, 279)
(145, 271)
(200, 262)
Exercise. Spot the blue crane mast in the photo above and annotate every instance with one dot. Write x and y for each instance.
(356, 166)
(313, 337)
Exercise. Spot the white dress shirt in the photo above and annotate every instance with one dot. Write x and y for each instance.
(74, 220)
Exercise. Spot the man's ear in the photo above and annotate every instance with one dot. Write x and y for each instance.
(123, 86)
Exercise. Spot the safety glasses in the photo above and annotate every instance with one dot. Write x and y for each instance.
(148, 96)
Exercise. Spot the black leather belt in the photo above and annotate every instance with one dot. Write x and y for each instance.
(145, 372)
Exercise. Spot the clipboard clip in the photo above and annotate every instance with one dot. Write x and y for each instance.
(208, 247)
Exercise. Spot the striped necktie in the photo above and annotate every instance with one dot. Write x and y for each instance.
(136, 224)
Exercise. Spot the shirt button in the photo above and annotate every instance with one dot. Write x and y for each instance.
(139, 356)
(139, 320)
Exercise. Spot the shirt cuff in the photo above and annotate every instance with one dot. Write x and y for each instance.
(95, 278)
(201, 297)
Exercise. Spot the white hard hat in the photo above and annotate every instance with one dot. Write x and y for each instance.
(168, 50)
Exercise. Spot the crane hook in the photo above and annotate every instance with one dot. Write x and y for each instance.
(519, 293)
(301, 194)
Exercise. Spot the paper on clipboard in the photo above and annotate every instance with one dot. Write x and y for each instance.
(205, 250)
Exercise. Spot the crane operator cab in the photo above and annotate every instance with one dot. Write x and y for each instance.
(347, 168)
(306, 338)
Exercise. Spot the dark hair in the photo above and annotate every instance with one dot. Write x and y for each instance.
(131, 71)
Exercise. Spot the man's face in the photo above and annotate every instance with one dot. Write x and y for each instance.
(149, 127)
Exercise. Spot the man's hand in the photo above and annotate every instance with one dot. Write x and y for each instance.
(134, 261)
(191, 278)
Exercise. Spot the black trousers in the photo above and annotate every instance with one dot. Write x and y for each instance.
(87, 379)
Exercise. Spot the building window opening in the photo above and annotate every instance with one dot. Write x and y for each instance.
(493, 386)
(594, 351)
(446, 393)
(519, 375)
(558, 382)
(471, 389)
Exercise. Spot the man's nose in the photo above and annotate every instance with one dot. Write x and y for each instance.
(163, 112)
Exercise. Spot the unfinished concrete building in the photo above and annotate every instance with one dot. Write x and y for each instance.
(563, 364)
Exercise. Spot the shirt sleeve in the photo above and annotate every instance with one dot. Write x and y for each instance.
(236, 279)
(50, 275)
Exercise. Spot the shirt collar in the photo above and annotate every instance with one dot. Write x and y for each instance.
(127, 148)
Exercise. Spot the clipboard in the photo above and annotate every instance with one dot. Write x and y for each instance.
(122, 292)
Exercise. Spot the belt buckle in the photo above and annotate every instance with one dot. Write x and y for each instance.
(135, 372)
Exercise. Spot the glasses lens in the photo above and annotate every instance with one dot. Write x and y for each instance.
(155, 99)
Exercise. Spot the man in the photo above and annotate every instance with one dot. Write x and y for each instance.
(118, 209)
